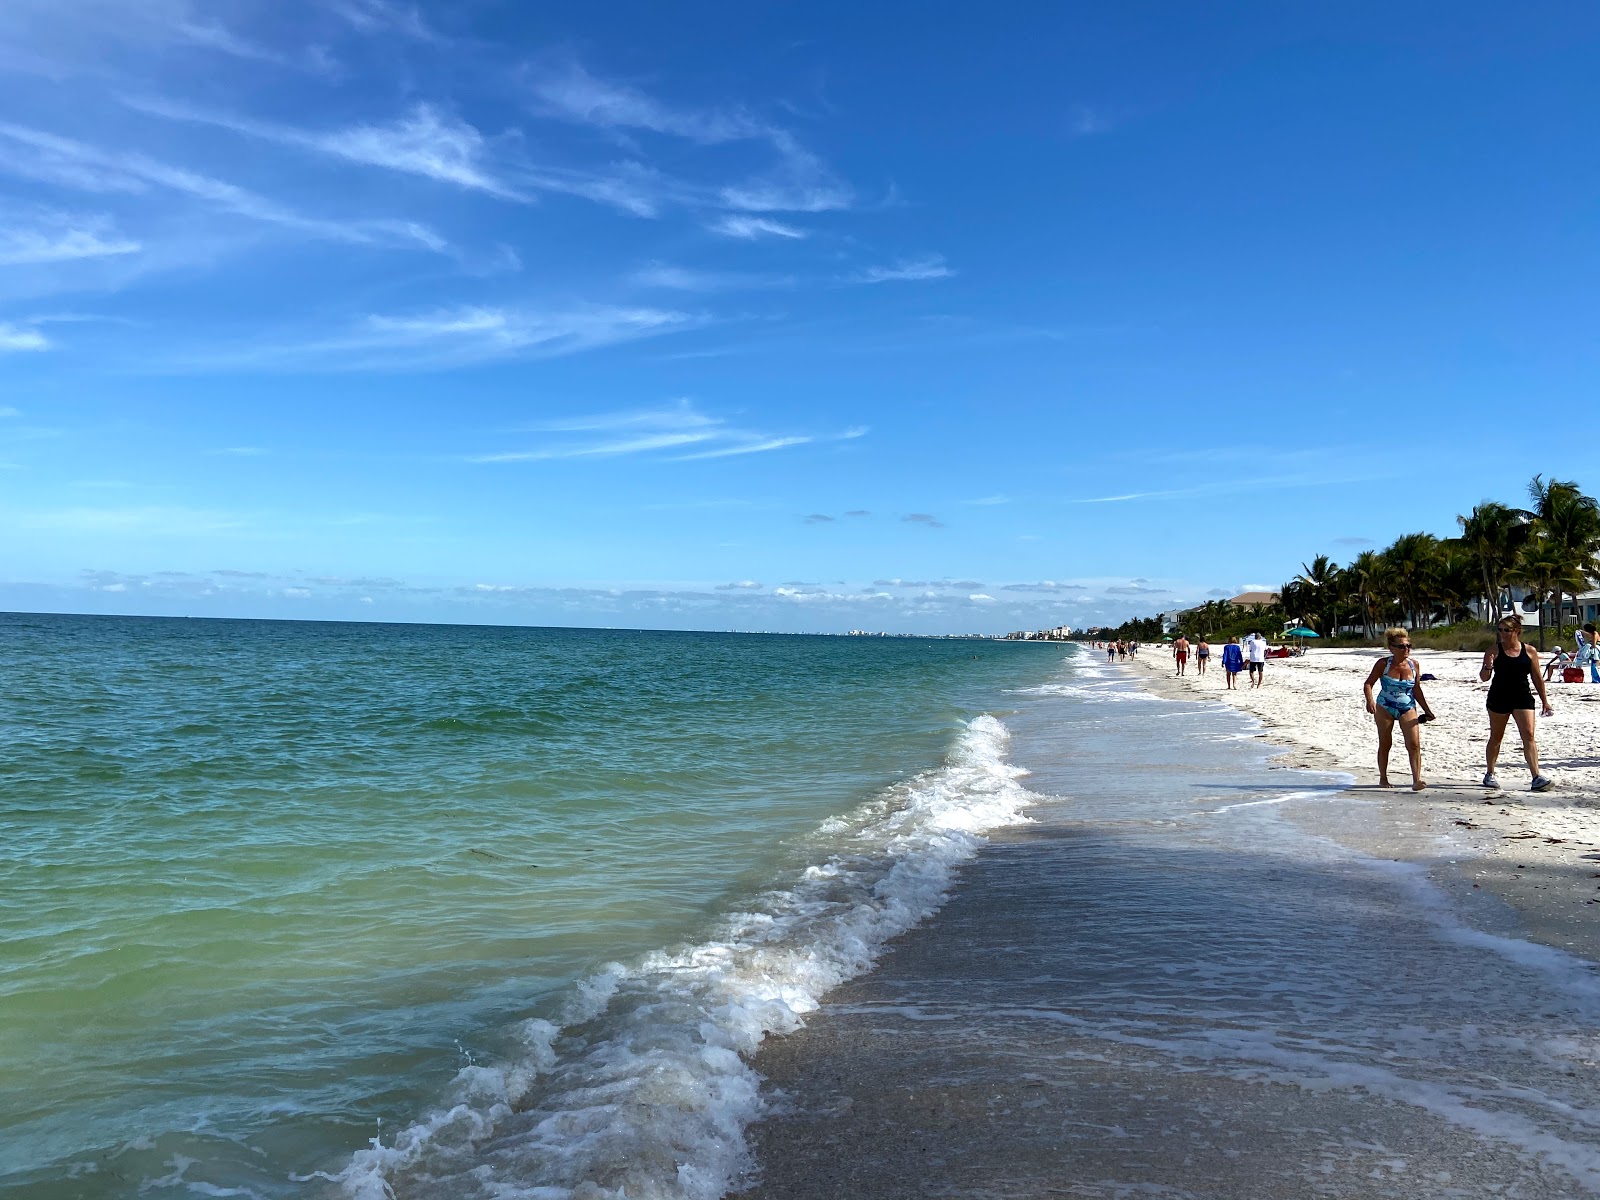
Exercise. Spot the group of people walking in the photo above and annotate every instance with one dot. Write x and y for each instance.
(1511, 670)
(1235, 658)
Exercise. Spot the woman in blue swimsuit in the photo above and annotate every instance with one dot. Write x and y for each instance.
(1399, 699)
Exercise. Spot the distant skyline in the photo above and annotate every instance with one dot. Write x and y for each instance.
(917, 319)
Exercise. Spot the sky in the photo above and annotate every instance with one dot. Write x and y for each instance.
(767, 316)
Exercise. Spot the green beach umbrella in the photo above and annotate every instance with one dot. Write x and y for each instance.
(1302, 632)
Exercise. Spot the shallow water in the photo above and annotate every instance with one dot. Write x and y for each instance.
(297, 909)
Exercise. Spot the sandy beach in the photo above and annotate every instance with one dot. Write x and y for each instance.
(1540, 852)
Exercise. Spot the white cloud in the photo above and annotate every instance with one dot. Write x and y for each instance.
(7, 411)
(638, 445)
(800, 183)
(683, 279)
(754, 447)
(15, 339)
(423, 142)
(381, 16)
(929, 266)
(296, 593)
(750, 228)
(455, 338)
(60, 237)
(981, 598)
(748, 585)
(647, 430)
(680, 415)
(45, 157)
(569, 92)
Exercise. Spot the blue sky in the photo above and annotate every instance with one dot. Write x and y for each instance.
(913, 317)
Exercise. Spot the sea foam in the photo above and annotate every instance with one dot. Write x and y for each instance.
(642, 1088)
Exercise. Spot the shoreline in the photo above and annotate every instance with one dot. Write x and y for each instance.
(1539, 853)
(1181, 975)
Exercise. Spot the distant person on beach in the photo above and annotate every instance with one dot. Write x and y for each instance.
(1508, 670)
(1255, 651)
(1400, 697)
(1202, 653)
(1180, 653)
(1111, 652)
(1589, 651)
(1560, 662)
(1232, 661)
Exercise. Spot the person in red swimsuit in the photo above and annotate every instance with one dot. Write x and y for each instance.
(1180, 652)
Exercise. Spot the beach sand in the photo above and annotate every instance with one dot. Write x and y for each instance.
(1538, 851)
(1253, 985)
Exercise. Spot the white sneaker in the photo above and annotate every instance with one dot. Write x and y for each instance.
(1489, 781)
(1543, 783)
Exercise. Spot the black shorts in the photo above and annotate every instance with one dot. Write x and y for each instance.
(1256, 666)
(1506, 705)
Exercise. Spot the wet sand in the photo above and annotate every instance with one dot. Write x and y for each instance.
(1201, 973)
(1540, 852)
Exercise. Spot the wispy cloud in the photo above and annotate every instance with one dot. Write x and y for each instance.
(445, 338)
(49, 158)
(1045, 586)
(928, 519)
(744, 585)
(685, 279)
(424, 141)
(15, 338)
(55, 237)
(613, 449)
(750, 228)
(755, 446)
(62, 39)
(566, 90)
(382, 16)
(642, 431)
(906, 270)
(798, 181)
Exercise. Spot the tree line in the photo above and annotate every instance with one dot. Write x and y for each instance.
(1551, 548)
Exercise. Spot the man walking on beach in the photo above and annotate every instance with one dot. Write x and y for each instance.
(1180, 652)
(1255, 648)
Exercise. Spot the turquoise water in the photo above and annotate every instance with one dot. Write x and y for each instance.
(302, 909)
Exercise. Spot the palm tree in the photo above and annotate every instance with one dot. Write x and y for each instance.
(1456, 580)
(1317, 586)
(1545, 567)
(1413, 558)
(1568, 519)
(1365, 570)
(1493, 533)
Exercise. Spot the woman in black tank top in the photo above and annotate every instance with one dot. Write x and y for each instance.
(1509, 669)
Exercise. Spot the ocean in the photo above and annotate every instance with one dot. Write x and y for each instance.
(313, 909)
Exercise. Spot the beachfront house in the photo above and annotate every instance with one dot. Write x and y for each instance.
(1171, 620)
(1255, 600)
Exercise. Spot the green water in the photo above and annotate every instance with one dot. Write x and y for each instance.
(268, 885)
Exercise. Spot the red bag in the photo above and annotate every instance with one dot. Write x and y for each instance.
(1571, 674)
